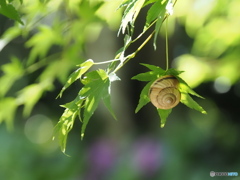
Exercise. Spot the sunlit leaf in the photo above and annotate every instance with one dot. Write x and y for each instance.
(90, 106)
(77, 74)
(66, 122)
(185, 88)
(97, 86)
(130, 13)
(155, 12)
(147, 2)
(91, 77)
(94, 91)
(124, 3)
(113, 77)
(188, 101)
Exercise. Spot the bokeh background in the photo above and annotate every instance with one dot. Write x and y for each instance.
(204, 41)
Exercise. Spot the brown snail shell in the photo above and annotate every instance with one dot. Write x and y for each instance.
(164, 93)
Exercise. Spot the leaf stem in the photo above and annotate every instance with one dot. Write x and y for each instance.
(105, 62)
(166, 37)
(130, 56)
(140, 35)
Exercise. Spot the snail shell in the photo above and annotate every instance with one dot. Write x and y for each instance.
(164, 93)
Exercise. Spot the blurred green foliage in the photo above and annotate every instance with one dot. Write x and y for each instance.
(214, 28)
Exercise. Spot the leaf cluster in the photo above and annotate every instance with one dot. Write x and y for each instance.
(156, 15)
(97, 86)
(157, 72)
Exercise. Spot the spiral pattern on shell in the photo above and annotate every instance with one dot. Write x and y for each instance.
(164, 93)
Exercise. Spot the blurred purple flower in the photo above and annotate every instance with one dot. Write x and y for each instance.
(101, 157)
(147, 157)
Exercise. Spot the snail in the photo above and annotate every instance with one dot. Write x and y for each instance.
(164, 93)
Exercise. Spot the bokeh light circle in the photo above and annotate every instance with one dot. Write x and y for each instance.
(222, 84)
(39, 129)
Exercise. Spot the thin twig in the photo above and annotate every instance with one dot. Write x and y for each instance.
(105, 62)
(166, 34)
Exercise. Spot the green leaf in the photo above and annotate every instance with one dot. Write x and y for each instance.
(10, 34)
(12, 72)
(106, 96)
(96, 87)
(163, 113)
(9, 11)
(149, 2)
(154, 12)
(124, 3)
(130, 13)
(107, 103)
(8, 108)
(147, 76)
(188, 101)
(185, 88)
(151, 75)
(93, 92)
(173, 72)
(66, 122)
(77, 74)
(153, 68)
(161, 10)
(90, 105)
(91, 77)
(144, 99)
